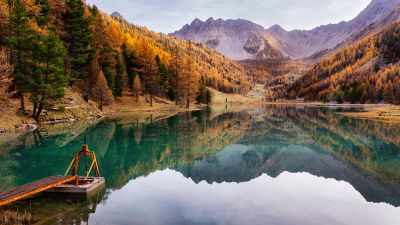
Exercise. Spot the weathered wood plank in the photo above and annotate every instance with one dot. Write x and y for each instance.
(33, 188)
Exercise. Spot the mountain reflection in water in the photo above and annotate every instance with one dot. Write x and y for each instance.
(289, 165)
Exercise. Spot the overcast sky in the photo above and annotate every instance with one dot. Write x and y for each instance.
(169, 15)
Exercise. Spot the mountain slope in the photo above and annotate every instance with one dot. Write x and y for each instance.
(367, 71)
(242, 39)
(220, 72)
(110, 32)
(305, 43)
(110, 60)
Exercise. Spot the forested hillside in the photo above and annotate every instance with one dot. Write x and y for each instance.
(365, 72)
(275, 74)
(47, 46)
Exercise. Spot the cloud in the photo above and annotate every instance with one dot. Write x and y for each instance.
(169, 15)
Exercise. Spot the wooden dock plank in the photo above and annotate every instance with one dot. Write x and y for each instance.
(33, 188)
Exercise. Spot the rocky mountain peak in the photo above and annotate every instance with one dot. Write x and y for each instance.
(277, 29)
(196, 22)
(238, 39)
(242, 39)
(210, 20)
(117, 15)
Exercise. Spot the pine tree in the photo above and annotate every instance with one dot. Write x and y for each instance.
(118, 82)
(109, 77)
(21, 42)
(107, 62)
(338, 96)
(131, 64)
(50, 77)
(163, 76)
(171, 91)
(43, 17)
(78, 39)
(94, 10)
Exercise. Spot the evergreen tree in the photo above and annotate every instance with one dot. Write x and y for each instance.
(171, 92)
(163, 76)
(107, 62)
(50, 77)
(338, 96)
(131, 64)
(43, 17)
(109, 77)
(118, 82)
(78, 39)
(94, 10)
(21, 42)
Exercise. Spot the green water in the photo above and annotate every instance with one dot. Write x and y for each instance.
(262, 165)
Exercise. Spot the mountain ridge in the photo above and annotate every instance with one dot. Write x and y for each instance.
(230, 37)
(365, 72)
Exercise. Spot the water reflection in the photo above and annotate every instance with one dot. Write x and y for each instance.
(166, 197)
(261, 149)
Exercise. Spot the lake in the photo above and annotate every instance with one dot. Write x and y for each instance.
(260, 165)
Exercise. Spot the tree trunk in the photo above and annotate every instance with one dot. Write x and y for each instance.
(34, 109)
(87, 88)
(39, 110)
(151, 99)
(21, 97)
(188, 97)
(176, 90)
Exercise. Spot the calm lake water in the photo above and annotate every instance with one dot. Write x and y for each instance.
(262, 165)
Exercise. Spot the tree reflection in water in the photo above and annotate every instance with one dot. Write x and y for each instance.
(212, 147)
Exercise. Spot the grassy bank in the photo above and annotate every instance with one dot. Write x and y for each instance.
(73, 108)
(387, 113)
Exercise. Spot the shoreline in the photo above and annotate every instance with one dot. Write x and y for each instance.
(377, 112)
(382, 113)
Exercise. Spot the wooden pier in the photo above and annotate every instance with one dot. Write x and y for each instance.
(33, 188)
(72, 184)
